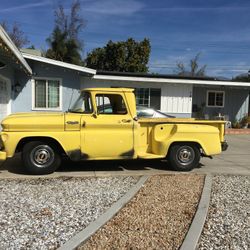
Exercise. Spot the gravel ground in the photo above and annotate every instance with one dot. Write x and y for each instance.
(45, 213)
(158, 217)
(228, 221)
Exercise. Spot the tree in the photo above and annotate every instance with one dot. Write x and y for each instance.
(64, 41)
(16, 34)
(242, 78)
(58, 45)
(194, 68)
(32, 47)
(123, 56)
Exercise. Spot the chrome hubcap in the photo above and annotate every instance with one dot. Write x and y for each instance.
(42, 156)
(185, 155)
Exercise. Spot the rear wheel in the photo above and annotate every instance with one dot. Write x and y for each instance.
(184, 156)
(40, 157)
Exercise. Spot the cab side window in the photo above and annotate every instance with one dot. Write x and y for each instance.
(110, 104)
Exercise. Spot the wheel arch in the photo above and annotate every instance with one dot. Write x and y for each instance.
(194, 143)
(47, 139)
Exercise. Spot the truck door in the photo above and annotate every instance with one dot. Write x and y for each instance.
(108, 134)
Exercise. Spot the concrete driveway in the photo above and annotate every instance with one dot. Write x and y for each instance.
(236, 160)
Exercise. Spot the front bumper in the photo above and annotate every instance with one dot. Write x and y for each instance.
(3, 156)
(224, 146)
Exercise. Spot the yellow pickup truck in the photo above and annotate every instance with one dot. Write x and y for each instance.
(102, 124)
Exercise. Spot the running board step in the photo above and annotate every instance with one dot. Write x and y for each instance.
(150, 156)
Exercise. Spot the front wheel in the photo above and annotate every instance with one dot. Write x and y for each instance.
(40, 157)
(184, 157)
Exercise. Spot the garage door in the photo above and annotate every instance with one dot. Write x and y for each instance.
(4, 97)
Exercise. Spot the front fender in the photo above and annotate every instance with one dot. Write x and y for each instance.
(69, 141)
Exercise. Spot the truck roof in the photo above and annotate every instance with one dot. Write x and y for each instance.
(109, 89)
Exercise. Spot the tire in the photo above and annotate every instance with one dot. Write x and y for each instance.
(184, 156)
(40, 157)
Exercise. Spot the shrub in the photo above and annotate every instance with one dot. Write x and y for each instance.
(244, 121)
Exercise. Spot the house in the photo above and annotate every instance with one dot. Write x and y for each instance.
(183, 97)
(30, 82)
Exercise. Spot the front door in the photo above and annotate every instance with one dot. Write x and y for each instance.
(4, 97)
(109, 133)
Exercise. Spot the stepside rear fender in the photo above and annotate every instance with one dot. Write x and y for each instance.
(207, 136)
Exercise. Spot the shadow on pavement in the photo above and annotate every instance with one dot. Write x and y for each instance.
(15, 165)
(113, 165)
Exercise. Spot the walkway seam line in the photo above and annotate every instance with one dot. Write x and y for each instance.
(192, 237)
(87, 232)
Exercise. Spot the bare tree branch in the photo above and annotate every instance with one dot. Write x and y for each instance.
(61, 19)
(194, 67)
(76, 22)
(16, 34)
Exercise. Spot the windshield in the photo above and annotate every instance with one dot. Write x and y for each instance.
(83, 104)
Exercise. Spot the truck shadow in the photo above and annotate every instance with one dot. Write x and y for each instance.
(113, 165)
(15, 166)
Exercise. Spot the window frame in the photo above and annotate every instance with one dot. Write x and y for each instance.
(123, 99)
(149, 96)
(137, 90)
(91, 102)
(34, 95)
(215, 91)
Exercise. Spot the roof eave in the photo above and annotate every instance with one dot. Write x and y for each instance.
(170, 80)
(6, 39)
(59, 63)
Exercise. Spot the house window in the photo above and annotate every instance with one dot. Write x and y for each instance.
(47, 94)
(215, 99)
(142, 97)
(148, 97)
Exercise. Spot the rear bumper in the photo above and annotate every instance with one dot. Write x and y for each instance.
(224, 146)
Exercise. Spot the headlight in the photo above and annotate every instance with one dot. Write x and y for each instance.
(4, 137)
(1, 143)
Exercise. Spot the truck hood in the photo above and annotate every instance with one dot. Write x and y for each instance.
(35, 121)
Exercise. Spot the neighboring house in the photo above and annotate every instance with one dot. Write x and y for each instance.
(179, 96)
(30, 82)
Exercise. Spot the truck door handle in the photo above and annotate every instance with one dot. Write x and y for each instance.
(126, 120)
(72, 122)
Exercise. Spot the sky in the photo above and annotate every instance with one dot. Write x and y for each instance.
(177, 29)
